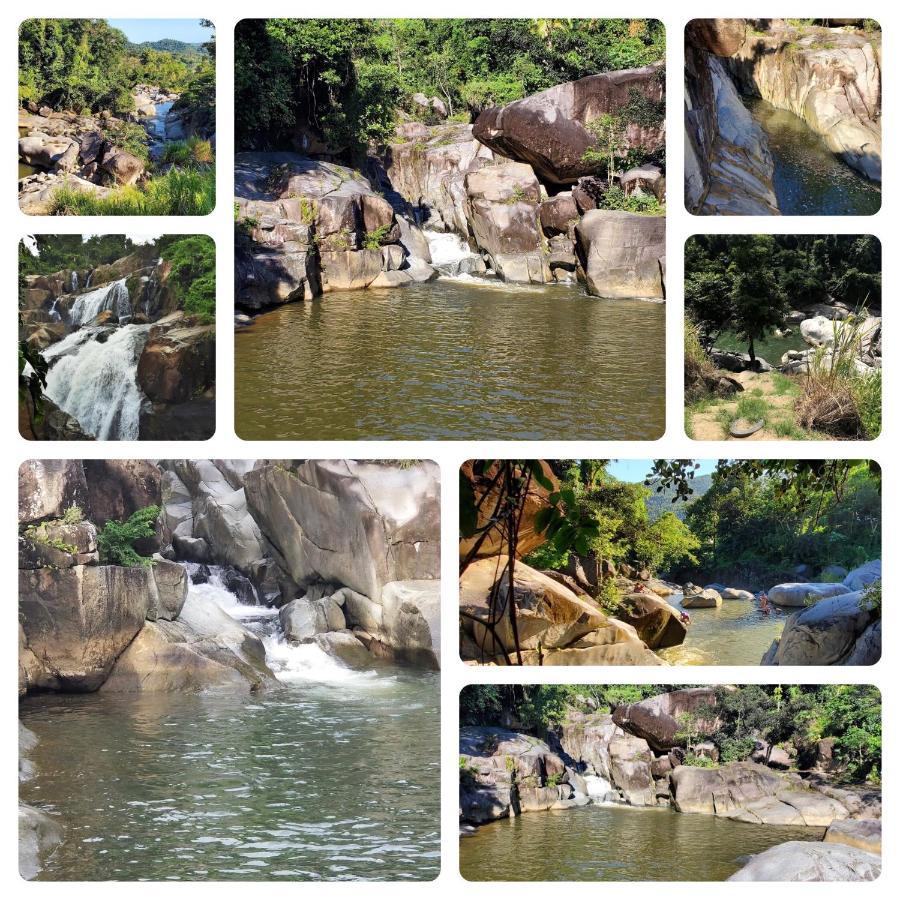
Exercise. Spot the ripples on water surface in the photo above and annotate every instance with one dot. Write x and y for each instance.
(331, 780)
(453, 359)
(608, 843)
(735, 634)
(809, 179)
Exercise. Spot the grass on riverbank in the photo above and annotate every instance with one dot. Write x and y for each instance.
(178, 192)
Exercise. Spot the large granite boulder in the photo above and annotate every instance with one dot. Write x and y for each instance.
(622, 254)
(808, 861)
(838, 631)
(629, 765)
(119, 487)
(529, 538)
(57, 545)
(550, 617)
(864, 834)
(178, 363)
(203, 650)
(39, 835)
(707, 598)
(502, 210)
(864, 575)
(49, 487)
(805, 593)
(77, 621)
(549, 130)
(657, 623)
(657, 719)
(353, 523)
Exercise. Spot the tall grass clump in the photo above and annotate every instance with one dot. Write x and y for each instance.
(178, 192)
(839, 399)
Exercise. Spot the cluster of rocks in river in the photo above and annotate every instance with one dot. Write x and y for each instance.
(828, 77)
(288, 533)
(633, 756)
(175, 366)
(78, 150)
(514, 187)
(559, 622)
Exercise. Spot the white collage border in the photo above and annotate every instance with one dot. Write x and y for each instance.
(450, 455)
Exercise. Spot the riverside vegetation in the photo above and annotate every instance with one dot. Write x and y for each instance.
(783, 116)
(117, 338)
(442, 181)
(582, 782)
(783, 337)
(228, 670)
(768, 562)
(107, 127)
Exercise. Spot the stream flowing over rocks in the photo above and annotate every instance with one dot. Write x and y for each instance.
(513, 188)
(125, 361)
(829, 78)
(634, 758)
(265, 576)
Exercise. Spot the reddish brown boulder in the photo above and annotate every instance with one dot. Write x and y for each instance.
(548, 129)
(559, 213)
(178, 364)
(721, 37)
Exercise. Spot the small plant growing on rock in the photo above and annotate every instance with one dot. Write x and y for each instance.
(73, 515)
(373, 239)
(117, 539)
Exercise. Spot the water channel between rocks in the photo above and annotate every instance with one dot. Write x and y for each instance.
(333, 776)
(617, 843)
(461, 358)
(735, 634)
(809, 179)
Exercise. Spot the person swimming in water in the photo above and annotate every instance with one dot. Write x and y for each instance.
(764, 607)
(685, 618)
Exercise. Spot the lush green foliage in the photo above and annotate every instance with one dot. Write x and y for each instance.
(178, 192)
(193, 275)
(745, 283)
(71, 251)
(342, 79)
(86, 65)
(797, 716)
(116, 540)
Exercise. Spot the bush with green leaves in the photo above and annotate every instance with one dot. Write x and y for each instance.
(116, 540)
(193, 273)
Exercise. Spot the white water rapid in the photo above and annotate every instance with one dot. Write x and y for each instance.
(451, 256)
(113, 297)
(96, 382)
(291, 663)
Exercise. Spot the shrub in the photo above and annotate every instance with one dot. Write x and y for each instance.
(193, 274)
(699, 762)
(373, 239)
(117, 539)
(609, 596)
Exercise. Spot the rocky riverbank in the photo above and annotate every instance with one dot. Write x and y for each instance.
(515, 189)
(96, 153)
(125, 360)
(559, 621)
(340, 558)
(635, 757)
(828, 77)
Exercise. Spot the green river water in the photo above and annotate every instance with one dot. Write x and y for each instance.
(735, 634)
(617, 843)
(328, 779)
(453, 359)
(809, 179)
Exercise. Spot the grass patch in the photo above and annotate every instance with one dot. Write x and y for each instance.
(178, 192)
(752, 408)
(193, 151)
(784, 386)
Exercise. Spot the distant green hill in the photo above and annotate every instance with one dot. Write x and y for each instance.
(169, 45)
(660, 503)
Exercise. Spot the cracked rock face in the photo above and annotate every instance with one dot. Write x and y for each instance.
(354, 523)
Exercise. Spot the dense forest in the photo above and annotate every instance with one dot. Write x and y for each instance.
(346, 78)
(799, 715)
(749, 519)
(807, 310)
(108, 127)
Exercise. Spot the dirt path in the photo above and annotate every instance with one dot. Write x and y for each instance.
(706, 425)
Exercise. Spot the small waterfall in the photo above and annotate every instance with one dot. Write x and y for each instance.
(451, 256)
(96, 382)
(112, 297)
(87, 283)
(53, 312)
(73, 282)
(291, 663)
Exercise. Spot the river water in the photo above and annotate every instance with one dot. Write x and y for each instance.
(617, 843)
(333, 776)
(809, 179)
(461, 358)
(735, 634)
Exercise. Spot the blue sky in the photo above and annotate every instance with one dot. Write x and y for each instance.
(139, 30)
(638, 469)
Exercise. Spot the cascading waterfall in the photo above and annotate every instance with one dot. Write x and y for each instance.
(451, 256)
(73, 282)
(113, 297)
(96, 382)
(291, 663)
